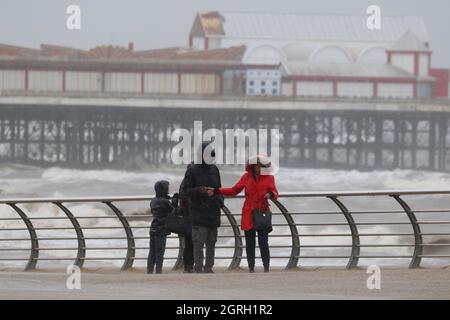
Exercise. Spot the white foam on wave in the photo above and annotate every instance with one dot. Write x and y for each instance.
(326, 179)
(60, 175)
(20, 180)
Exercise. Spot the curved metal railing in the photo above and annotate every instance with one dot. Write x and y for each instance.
(293, 214)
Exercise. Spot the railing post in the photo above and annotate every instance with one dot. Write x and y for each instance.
(238, 246)
(131, 247)
(295, 251)
(354, 254)
(418, 241)
(34, 255)
(81, 254)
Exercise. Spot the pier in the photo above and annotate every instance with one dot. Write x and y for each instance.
(121, 131)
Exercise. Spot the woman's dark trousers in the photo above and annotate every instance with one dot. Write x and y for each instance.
(156, 253)
(250, 244)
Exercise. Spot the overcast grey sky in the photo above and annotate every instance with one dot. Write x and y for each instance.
(162, 23)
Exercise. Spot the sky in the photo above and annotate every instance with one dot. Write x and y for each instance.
(166, 23)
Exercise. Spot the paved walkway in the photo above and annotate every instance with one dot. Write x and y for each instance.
(301, 284)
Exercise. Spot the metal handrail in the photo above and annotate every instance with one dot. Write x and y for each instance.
(295, 252)
(81, 254)
(238, 245)
(236, 236)
(354, 255)
(34, 252)
(128, 263)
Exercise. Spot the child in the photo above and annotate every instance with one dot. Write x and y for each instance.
(160, 207)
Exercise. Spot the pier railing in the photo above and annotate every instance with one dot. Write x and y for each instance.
(398, 230)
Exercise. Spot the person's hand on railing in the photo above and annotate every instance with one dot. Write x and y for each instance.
(269, 195)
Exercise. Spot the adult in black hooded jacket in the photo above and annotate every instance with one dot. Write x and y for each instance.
(204, 210)
(188, 252)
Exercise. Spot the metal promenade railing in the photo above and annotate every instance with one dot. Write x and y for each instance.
(340, 229)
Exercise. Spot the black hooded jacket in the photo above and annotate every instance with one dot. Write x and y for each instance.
(204, 210)
(183, 199)
(160, 207)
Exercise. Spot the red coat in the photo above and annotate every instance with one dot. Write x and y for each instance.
(255, 192)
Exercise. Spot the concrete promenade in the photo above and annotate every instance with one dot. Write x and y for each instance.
(298, 284)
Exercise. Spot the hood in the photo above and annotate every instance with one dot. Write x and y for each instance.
(162, 188)
(262, 159)
(212, 154)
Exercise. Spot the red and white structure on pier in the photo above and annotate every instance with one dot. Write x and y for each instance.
(328, 55)
(237, 53)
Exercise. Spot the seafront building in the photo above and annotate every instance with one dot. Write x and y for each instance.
(238, 54)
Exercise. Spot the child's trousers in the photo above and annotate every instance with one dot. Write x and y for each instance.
(156, 253)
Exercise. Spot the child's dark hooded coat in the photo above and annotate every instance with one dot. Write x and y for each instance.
(160, 207)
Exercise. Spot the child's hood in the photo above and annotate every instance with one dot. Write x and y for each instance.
(162, 188)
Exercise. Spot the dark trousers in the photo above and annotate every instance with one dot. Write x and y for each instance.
(188, 252)
(250, 245)
(156, 253)
(204, 237)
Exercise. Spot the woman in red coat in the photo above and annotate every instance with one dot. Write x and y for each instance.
(258, 189)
